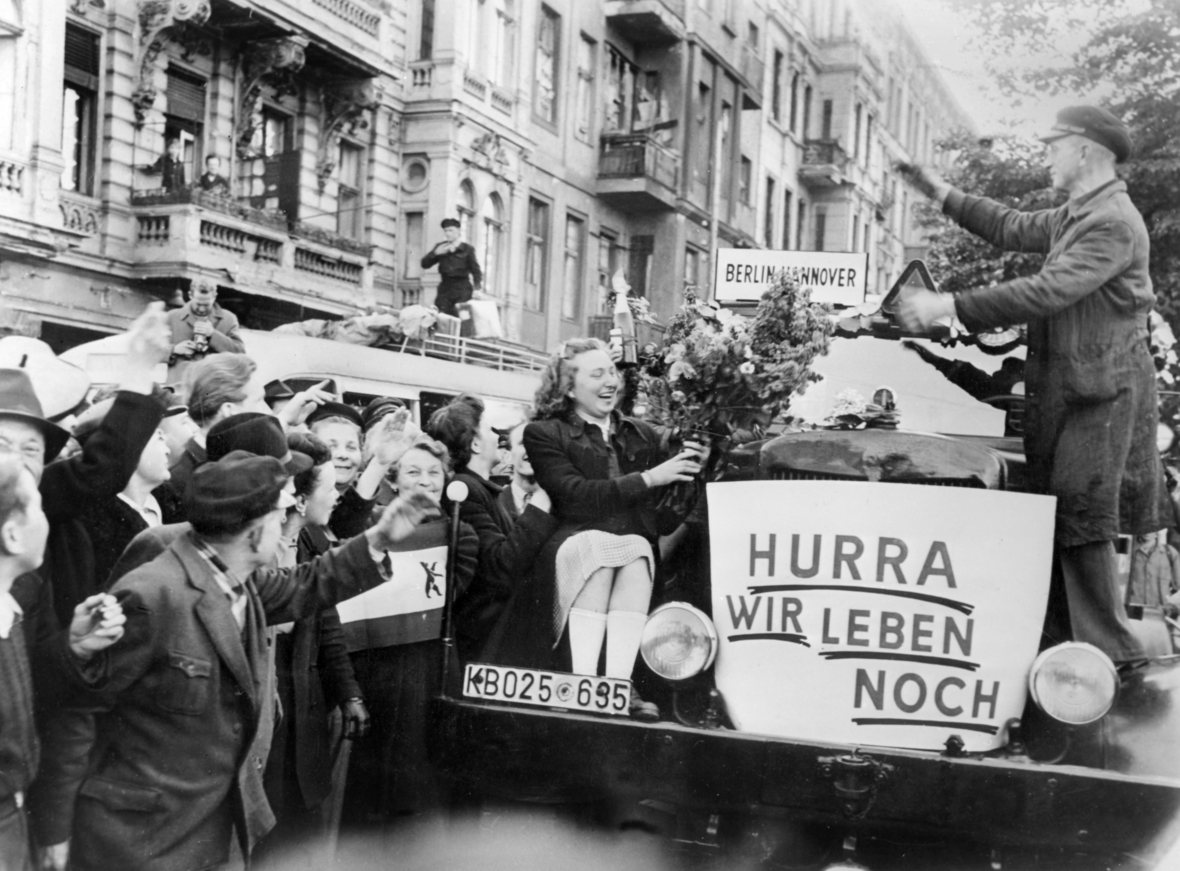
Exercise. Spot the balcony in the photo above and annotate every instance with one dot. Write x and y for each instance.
(636, 173)
(189, 232)
(824, 163)
(753, 70)
(647, 22)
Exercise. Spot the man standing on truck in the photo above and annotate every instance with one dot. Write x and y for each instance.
(456, 261)
(1092, 410)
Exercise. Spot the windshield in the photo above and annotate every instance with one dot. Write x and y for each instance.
(926, 400)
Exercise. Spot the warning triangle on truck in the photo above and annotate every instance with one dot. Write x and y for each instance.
(915, 275)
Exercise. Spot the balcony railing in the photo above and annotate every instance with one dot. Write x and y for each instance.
(636, 155)
(599, 327)
(251, 247)
(824, 152)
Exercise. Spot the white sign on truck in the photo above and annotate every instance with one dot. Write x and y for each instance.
(836, 278)
(871, 613)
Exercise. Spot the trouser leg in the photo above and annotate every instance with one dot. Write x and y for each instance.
(1096, 611)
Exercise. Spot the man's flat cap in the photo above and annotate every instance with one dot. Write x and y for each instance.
(450, 222)
(1097, 125)
(240, 487)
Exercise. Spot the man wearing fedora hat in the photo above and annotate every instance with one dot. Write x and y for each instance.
(187, 717)
(458, 267)
(1091, 419)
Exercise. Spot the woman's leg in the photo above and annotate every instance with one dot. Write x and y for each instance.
(626, 616)
(587, 621)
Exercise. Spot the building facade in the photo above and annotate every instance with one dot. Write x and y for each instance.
(118, 105)
(573, 140)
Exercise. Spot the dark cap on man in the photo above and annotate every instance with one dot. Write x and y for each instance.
(450, 222)
(255, 433)
(225, 495)
(1095, 124)
(19, 401)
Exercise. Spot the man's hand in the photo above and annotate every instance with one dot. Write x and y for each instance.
(919, 309)
(203, 328)
(55, 857)
(400, 518)
(356, 719)
(97, 624)
(926, 180)
(392, 437)
(149, 341)
(303, 403)
(184, 349)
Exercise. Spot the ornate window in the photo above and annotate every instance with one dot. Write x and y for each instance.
(493, 241)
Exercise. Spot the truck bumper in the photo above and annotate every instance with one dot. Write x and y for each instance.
(549, 756)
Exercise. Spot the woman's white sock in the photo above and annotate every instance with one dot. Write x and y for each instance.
(624, 631)
(586, 631)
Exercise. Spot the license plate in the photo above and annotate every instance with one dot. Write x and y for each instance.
(547, 689)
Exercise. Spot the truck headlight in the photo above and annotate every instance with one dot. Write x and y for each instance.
(679, 641)
(1074, 683)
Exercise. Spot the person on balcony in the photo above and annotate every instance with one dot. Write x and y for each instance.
(461, 275)
(170, 167)
(212, 181)
(201, 327)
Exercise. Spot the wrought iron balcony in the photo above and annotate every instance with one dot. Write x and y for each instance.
(637, 173)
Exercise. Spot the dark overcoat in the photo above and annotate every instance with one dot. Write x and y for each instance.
(508, 549)
(186, 720)
(1090, 426)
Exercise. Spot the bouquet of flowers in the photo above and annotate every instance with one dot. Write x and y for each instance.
(722, 378)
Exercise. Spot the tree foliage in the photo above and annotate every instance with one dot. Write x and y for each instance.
(1119, 53)
(1008, 170)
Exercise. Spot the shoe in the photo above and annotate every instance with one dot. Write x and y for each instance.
(645, 712)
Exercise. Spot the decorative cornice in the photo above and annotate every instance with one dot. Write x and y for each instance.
(266, 61)
(156, 20)
(346, 105)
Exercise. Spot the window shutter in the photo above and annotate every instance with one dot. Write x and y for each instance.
(81, 61)
(186, 96)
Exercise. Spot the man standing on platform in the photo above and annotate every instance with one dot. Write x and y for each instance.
(460, 271)
(1092, 413)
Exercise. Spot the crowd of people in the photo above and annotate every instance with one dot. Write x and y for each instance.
(222, 615)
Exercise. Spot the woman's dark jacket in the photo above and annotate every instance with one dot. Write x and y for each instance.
(508, 549)
(572, 463)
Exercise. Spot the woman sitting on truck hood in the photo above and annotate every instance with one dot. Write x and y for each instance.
(603, 473)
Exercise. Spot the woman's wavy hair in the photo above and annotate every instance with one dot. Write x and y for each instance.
(433, 447)
(456, 425)
(553, 399)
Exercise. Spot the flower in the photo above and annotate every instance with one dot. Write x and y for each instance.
(726, 377)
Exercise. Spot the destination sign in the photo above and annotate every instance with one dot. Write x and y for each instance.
(834, 277)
